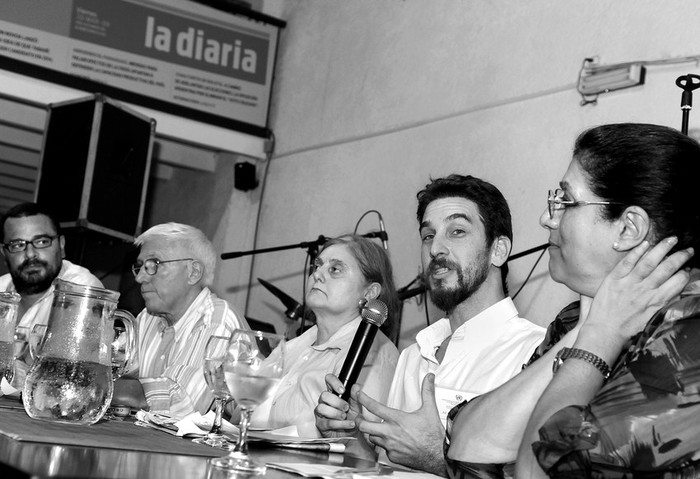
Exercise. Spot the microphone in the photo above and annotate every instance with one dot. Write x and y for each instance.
(374, 313)
(385, 238)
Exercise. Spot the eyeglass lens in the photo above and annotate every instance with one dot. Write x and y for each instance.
(37, 243)
(150, 265)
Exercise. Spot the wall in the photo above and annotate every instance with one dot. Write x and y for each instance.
(373, 98)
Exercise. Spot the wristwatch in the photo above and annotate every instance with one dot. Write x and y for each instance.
(567, 353)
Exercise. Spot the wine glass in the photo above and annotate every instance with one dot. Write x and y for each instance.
(214, 355)
(253, 367)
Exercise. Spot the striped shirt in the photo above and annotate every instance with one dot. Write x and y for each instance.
(180, 388)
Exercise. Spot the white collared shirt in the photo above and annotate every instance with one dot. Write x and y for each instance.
(306, 366)
(482, 354)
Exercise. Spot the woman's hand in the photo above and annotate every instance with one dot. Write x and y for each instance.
(643, 282)
(334, 416)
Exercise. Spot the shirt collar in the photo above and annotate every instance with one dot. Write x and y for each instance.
(188, 319)
(340, 338)
(484, 325)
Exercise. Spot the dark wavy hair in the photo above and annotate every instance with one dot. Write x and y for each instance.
(23, 210)
(654, 167)
(492, 205)
(375, 266)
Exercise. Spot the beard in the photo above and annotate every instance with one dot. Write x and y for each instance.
(469, 280)
(37, 280)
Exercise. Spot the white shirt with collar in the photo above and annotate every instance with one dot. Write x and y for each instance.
(482, 354)
(306, 366)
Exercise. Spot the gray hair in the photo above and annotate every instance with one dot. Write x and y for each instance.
(191, 239)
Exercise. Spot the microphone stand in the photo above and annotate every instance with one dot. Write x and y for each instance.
(688, 83)
(311, 247)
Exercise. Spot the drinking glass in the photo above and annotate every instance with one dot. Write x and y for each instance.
(20, 351)
(253, 367)
(9, 303)
(214, 355)
(36, 336)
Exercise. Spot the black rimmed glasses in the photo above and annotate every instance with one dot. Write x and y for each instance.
(151, 265)
(556, 203)
(17, 246)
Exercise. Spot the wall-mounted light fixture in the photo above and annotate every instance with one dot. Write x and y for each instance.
(595, 79)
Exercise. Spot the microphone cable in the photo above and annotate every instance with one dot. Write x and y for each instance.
(382, 231)
(532, 270)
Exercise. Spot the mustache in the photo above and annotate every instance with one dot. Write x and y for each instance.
(32, 262)
(438, 263)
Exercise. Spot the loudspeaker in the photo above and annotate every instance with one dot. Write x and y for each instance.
(95, 163)
(244, 176)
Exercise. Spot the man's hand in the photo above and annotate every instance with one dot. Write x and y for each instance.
(129, 392)
(411, 439)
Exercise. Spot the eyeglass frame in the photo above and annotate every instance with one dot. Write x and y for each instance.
(156, 262)
(564, 204)
(51, 238)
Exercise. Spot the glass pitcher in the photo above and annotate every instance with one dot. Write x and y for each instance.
(71, 379)
(8, 323)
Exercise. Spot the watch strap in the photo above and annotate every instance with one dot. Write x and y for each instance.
(583, 355)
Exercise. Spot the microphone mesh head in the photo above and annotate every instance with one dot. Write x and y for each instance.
(375, 312)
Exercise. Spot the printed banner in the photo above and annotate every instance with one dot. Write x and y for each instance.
(220, 65)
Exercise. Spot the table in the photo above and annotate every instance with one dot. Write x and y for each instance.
(116, 449)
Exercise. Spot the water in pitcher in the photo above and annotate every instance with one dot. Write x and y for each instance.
(6, 355)
(68, 391)
(71, 379)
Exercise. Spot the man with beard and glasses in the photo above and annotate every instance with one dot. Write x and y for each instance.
(466, 234)
(33, 248)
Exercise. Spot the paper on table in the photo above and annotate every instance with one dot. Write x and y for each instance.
(329, 471)
(7, 390)
(196, 425)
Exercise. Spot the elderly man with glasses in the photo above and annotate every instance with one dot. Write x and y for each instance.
(34, 248)
(174, 268)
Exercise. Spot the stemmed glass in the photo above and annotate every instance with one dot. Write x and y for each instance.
(253, 367)
(214, 355)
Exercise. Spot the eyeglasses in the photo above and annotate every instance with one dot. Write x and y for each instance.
(556, 204)
(17, 246)
(151, 265)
